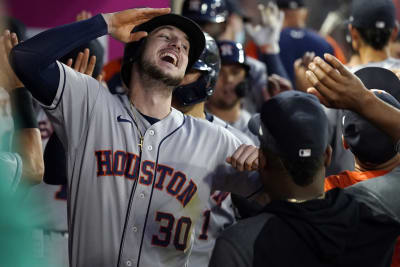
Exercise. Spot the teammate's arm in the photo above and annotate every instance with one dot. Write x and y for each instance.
(34, 61)
(27, 137)
(336, 87)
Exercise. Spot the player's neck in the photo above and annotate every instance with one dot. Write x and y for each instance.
(197, 111)
(387, 166)
(369, 54)
(152, 98)
(230, 115)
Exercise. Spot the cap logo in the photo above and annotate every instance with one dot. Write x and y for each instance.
(380, 24)
(226, 50)
(194, 5)
(305, 153)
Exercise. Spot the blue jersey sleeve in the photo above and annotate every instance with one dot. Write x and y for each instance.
(34, 61)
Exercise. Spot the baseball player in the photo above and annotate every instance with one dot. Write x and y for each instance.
(138, 175)
(189, 98)
(232, 85)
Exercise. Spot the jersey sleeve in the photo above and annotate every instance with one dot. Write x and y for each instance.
(381, 194)
(10, 169)
(73, 105)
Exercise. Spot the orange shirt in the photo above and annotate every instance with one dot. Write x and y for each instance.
(348, 178)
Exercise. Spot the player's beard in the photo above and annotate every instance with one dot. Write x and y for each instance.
(156, 73)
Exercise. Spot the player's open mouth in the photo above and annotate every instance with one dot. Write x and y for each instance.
(170, 58)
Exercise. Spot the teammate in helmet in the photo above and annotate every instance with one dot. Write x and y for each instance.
(231, 87)
(211, 15)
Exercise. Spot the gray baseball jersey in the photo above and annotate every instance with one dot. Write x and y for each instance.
(218, 214)
(241, 124)
(49, 210)
(131, 202)
(389, 63)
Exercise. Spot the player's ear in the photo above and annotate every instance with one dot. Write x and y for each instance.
(355, 37)
(345, 145)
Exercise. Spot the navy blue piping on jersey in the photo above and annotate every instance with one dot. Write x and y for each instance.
(34, 60)
(133, 190)
(274, 65)
(152, 186)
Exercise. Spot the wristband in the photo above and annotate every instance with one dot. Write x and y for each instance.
(22, 109)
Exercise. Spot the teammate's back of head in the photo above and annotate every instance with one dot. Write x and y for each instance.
(374, 21)
(369, 144)
(294, 137)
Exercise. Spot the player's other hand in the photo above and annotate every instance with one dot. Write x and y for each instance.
(245, 158)
(335, 85)
(8, 79)
(120, 24)
(83, 15)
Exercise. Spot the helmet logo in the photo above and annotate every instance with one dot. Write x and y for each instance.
(226, 50)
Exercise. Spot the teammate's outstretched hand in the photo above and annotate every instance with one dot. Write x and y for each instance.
(245, 158)
(120, 24)
(300, 68)
(8, 79)
(334, 85)
(85, 65)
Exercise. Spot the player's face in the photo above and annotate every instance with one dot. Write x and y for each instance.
(229, 77)
(166, 54)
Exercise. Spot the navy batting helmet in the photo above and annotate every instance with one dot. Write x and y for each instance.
(233, 53)
(209, 64)
(202, 11)
(190, 28)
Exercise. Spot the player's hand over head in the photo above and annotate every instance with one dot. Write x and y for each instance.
(8, 79)
(300, 68)
(266, 35)
(120, 24)
(245, 158)
(277, 85)
(335, 85)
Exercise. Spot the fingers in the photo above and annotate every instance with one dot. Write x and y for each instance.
(244, 158)
(100, 77)
(78, 61)
(83, 15)
(315, 82)
(90, 67)
(69, 62)
(134, 37)
(337, 65)
(321, 98)
(84, 63)
(149, 13)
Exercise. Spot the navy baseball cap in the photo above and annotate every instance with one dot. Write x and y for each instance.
(190, 28)
(232, 53)
(293, 125)
(380, 78)
(290, 4)
(378, 14)
(368, 143)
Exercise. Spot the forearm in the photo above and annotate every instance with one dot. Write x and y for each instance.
(29, 147)
(274, 65)
(384, 116)
(34, 61)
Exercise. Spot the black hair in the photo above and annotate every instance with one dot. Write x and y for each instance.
(377, 38)
(302, 171)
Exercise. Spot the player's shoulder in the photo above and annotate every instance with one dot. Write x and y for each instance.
(214, 130)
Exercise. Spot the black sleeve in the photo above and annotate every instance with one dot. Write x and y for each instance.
(226, 254)
(274, 65)
(34, 61)
(55, 162)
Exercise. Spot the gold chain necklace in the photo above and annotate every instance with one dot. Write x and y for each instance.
(141, 138)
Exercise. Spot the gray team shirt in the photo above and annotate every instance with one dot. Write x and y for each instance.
(389, 63)
(132, 208)
(241, 124)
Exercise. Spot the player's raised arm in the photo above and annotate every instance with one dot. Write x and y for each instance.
(34, 61)
(336, 87)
